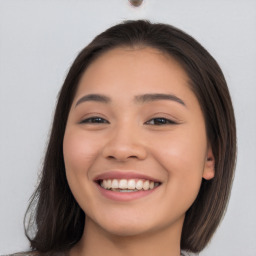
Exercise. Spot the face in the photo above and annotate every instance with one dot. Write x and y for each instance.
(135, 145)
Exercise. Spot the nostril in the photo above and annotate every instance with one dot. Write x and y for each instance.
(122, 148)
(120, 158)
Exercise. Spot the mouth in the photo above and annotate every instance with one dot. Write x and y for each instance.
(128, 185)
(125, 186)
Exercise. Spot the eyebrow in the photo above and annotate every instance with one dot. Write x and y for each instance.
(139, 98)
(94, 97)
(158, 96)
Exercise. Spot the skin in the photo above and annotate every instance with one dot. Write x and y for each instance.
(128, 137)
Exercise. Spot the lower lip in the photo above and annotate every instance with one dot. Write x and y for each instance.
(124, 196)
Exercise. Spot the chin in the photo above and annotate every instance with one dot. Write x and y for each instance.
(127, 230)
(124, 225)
(129, 226)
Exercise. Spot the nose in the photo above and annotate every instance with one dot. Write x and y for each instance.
(123, 144)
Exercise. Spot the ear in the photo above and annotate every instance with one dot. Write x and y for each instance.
(209, 170)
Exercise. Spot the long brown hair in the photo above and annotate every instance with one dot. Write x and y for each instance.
(55, 222)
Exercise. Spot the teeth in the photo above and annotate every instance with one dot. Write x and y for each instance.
(146, 185)
(131, 185)
(115, 184)
(123, 184)
(105, 184)
(151, 185)
(139, 184)
(109, 183)
(124, 190)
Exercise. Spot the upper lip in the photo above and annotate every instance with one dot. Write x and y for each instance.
(123, 175)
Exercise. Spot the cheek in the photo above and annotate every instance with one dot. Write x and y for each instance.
(183, 158)
(79, 151)
(181, 151)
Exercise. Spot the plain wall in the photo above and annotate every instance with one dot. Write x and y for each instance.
(39, 39)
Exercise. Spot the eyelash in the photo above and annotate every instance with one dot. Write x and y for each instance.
(157, 121)
(161, 121)
(94, 120)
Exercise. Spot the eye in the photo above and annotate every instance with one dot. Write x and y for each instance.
(94, 120)
(160, 121)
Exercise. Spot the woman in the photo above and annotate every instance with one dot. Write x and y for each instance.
(142, 150)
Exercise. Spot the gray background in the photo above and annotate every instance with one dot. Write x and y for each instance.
(39, 40)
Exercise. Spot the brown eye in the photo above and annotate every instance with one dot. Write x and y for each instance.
(160, 121)
(94, 120)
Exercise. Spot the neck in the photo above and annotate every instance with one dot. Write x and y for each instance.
(96, 241)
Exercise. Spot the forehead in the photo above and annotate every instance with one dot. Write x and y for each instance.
(142, 58)
(140, 68)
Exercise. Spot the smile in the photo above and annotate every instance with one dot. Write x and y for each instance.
(128, 185)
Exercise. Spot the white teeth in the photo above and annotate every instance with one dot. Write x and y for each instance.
(123, 184)
(114, 184)
(105, 184)
(146, 185)
(139, 184)
(126, 190)
(131, 185)
(109, 183)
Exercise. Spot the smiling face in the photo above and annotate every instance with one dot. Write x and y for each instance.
(135, 145)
